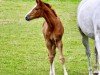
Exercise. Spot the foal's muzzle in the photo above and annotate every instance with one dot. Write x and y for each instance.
(27, 18)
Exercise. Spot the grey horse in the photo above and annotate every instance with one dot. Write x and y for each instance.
(88, 17)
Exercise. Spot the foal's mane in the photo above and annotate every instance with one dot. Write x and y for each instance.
(49, 6)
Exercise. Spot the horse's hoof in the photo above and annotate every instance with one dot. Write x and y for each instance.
(96, 73)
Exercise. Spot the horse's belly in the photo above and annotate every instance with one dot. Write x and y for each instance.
(87, 30)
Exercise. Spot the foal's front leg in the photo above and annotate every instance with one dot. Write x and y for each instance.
(62, 59)
(51, 53)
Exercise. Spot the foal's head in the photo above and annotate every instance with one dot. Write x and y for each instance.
(38, 10)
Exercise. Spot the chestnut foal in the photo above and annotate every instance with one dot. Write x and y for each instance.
(52, 31)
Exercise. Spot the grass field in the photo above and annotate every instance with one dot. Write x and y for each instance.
(22, 46)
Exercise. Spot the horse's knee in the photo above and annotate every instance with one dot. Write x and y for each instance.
(88, 53)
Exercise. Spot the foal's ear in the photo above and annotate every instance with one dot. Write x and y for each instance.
(38, 1)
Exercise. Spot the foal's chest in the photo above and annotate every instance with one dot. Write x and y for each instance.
(53, 33)
(50, 35)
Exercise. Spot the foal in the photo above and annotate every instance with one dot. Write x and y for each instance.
(52, 30)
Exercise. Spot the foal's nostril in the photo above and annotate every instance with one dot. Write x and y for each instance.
(27, 18)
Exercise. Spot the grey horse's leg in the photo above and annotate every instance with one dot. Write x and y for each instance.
(96, 55)
(97, 62)
(85, 42)
(97, 42)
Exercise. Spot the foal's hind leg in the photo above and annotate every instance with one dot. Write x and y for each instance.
(85, 42)
(51, 54)
(62, 59)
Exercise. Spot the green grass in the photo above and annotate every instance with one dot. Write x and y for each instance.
(22, 46)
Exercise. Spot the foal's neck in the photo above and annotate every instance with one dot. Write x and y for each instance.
(50, 18)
